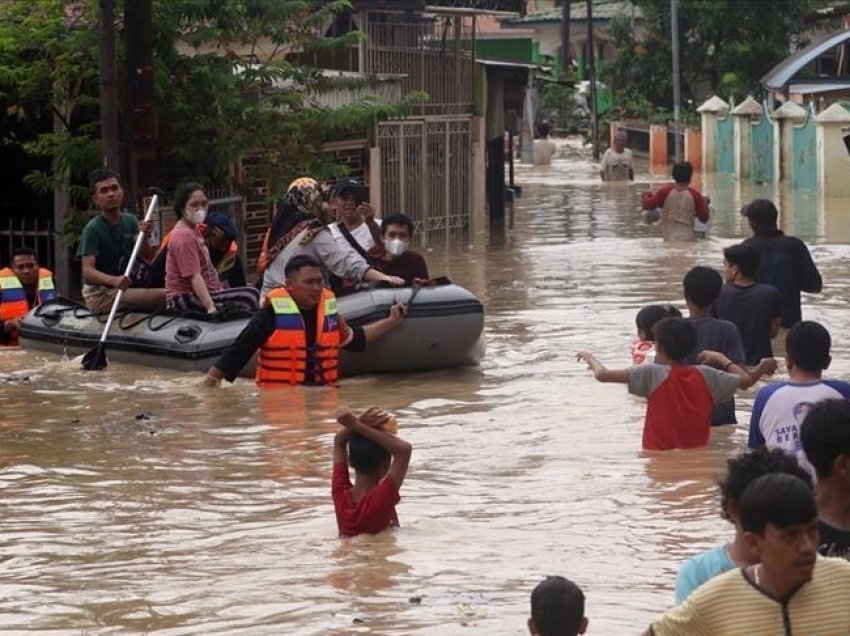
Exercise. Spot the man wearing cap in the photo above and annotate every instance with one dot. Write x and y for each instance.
(357, 228)
(784, 261)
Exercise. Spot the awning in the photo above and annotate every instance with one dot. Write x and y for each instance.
(782, 74)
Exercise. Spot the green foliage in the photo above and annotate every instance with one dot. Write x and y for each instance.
(225, 88)
(726, 47)
(48, 73)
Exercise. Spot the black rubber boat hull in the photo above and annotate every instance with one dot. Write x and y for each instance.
(443, 329)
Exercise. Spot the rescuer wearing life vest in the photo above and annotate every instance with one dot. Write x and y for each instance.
(23, 285)
(299, 333)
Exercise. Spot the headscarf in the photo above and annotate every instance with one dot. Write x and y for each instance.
(301, 203)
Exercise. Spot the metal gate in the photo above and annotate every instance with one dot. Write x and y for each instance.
(761, 159)
(804, 171)
(726, 144)
(425, 174)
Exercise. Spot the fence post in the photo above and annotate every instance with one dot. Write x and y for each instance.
(712, 110)
(657, 146)
(744, 113)
(693, 148)
(784, 119)
(832, 158)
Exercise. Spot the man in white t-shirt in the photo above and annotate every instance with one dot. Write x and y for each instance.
(781, 407)
(357, 228)
(617, 161)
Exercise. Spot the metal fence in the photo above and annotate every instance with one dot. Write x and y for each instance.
(432, 53)
(425, 172)
(31, 232)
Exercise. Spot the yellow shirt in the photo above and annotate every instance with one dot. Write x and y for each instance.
(729, 605)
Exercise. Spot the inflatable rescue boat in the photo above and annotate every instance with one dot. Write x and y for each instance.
(443, 328)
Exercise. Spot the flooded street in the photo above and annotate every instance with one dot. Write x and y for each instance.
(134, 500)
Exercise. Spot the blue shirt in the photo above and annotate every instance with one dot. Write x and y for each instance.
(699, 569)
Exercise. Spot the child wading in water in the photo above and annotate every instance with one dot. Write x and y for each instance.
(679, 397)
(643, 349)
(380, 461)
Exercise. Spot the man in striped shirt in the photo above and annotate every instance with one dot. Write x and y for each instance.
(788, 591)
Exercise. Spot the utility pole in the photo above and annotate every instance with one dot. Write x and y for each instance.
(565, 36)
(591, 71)
(108, 87)
(141, 108)
(677, 84)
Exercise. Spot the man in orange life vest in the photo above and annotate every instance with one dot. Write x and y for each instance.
(299, 333)
(22, 286)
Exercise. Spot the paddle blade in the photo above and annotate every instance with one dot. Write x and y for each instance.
(95, 359)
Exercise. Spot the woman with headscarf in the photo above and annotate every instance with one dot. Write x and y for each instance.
(296, 229)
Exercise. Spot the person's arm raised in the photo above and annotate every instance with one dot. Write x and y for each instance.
(600, 371)
(394, 445)
(767, 366)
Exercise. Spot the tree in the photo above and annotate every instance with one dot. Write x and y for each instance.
(224, 86)
(727, 46)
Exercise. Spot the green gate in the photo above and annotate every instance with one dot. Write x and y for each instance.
(726, 144)
(761, 157)
(804, 172)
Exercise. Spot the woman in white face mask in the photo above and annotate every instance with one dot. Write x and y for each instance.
(191, 280)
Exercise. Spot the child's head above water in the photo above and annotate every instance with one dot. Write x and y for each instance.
(675, 338)
(366, 456)
(649, 316)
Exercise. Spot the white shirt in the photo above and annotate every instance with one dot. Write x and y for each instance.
(616, 165)
(361, 234)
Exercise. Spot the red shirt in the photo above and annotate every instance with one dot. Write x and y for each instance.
(656, 200)
(679, 400)
(373, 513)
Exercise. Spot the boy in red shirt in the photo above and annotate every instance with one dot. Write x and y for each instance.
(679, 204)
(380, 461)
(679, 397)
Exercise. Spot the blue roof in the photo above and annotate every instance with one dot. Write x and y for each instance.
(782, 74)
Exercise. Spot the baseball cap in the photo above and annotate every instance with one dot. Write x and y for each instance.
(345, 184)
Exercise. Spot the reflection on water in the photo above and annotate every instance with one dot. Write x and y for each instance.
(134, 500)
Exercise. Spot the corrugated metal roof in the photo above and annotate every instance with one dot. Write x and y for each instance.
(602, 10)
(784, 72)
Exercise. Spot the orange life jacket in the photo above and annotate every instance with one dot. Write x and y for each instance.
(285, 356)
(13, 297)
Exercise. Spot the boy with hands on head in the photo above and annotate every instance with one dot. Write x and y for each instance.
(380, 460)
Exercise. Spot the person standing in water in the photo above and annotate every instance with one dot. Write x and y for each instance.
(679, 203)
(617, 161)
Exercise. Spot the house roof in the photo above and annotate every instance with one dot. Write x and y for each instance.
(602, 10)
(782, 74)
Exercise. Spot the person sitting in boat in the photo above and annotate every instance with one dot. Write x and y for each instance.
(299, 333)
(191, 281)
(105, 247)
(357, 228)
(391, 255)
(23, 285)
(679, 203)
(220, 238)
(296, 229)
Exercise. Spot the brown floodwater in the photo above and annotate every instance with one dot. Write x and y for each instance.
(215, 516)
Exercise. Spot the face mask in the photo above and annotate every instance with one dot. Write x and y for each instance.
(197, 216)
(396, 246)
